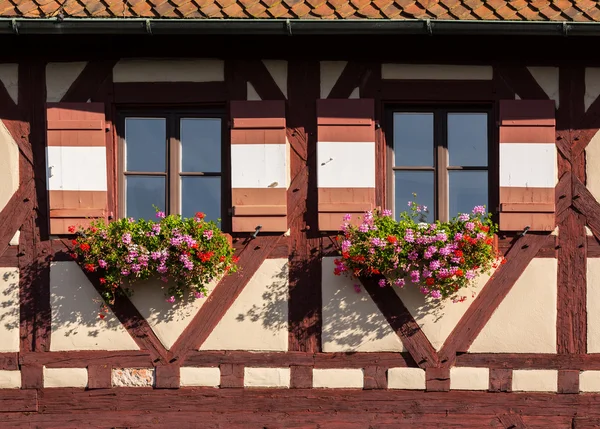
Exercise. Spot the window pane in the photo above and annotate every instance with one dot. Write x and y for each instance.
(468, 139)
(145, 144)
(142, 193)
(201, 145)
(467, 190)
(201, 194)
(409, 182)
(413, 139)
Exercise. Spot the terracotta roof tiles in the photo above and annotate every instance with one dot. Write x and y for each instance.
(518, 10)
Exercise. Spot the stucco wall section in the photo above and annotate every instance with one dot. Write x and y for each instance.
(437, 318)
(593, 305)
(75, 305)
(267, 377)
(547, 78)
(279, 71)
(9, 309)
(330, 73)
(60, 77)
(351, 321)
(465, 378)
(406, 378)
(338, 378)
(9, 76)
(65, 377)
(10, 379)
(207, 377)
(435, 72)
(133, 377)
(15, 240)
(167, 320)
(592, 161)
(530, 303)
(592, 85)
(535, 380)
(168, 70)
(9, 166)
(589, 381)
(258, 319)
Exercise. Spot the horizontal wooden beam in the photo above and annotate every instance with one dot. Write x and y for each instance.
(9, 361)
(437, 90)
(81, 359)
(530, 361)
(170, 92)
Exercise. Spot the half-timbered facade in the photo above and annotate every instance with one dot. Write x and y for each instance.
(279, 130)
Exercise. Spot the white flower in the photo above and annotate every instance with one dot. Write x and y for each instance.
(423, 225)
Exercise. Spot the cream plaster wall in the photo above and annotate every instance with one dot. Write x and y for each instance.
(60, 77)
(437, 318)
(593, 305)
(338, 378)
(267, 377)
(258, 319)
(535, 380)
(547, 78)
(133, 377)
(406, 378)
(465, 378)
(9, 166)
(15, 240)
(75, 305)
(167, 320)
(330, 73)
(207, 377)
(525, 321)
(9, 309)
(251, 95)
(168, 70)
(10, 379)
(589, 381)
(9, 76)
(279, 72)
(65, 377)
(351, 321)
(436, 72)
(592, 85)
(592, 161)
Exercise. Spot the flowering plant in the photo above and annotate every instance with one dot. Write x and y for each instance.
(189, 251)
(441, 257)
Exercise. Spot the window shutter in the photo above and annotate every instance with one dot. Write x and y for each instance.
(76, 164)
(528, 165)
(345, 160)
(259, 166)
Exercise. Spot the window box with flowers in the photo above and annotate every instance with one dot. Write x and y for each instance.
(441, 258)
(188, 253)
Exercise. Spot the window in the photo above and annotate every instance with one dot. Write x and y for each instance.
(172, 160)
(443, 155)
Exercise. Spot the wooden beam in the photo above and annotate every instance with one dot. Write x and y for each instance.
(522, 82)
(500, 380)
(350, 79)
(586, 203)
(99, 376)
(18, 401)
(438, 90)
(496, 289)
(530, 361)
(236, 83)
(89, 81)
(80, 359)
(170, 92)
(9, 361)
(512, 421)
(15, 213)
(259, 76)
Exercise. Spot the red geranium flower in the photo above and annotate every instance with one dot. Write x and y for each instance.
(200, 215)
(485, 228)
(235, 259)
(459, 272)
(74, 242)
(458, 253)
(337, 271)
(392, 239)
(222, 259)
(90, 267)
(429, 281)
(345, 255)
(85, 247)
(72, 229)
(103, 281)
(101, 316)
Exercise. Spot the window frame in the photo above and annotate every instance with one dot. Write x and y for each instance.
(440, 153)
(173, 117)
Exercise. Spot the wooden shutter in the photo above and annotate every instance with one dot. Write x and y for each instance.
(528, 165)
(259, 166)
(76, 164)
(345, 160)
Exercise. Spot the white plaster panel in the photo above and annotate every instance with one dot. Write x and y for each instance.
(351, 321)
(267, 377)
(517, 170)
(9, 166)
(206, 377)
(345, 165)
(406, 378)
(279, 71)
(535, 380)
(530, 303)
(589, 381)
(9, 76)
(15, 240)
(9, 309)
(258, 319)
(437, 318)
(592, 161)
(65, 377)
(76, 168)
(330, 73)
(355, 93)
(465, 378)
(592, 85)
(60, 77)
(593, 305)
(167, 320)
(259, 165)
(169, 70)
(133, 377)
(252, 95)
(436, 72)
(75, 305)
(338, 378)
(547, 79)
(10, 379)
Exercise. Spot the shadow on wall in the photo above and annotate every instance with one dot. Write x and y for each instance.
(9, 300)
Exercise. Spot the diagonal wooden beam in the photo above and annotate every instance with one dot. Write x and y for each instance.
(512, 421)
(351, 78)
(496, 289)
(402, 322)
(15, 213)
(522, 82)
(89, 81)
(586, 203)
(222, 298)
(258, 75)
